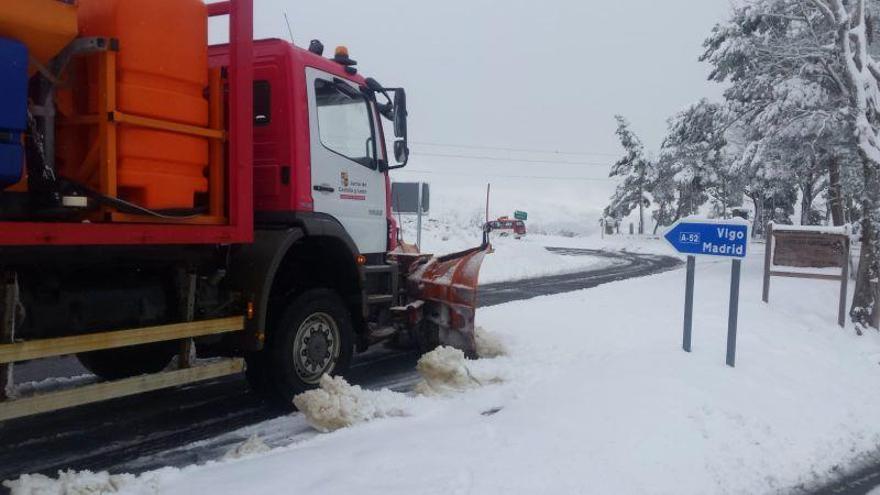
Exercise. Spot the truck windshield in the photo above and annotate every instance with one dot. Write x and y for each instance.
(344, 122)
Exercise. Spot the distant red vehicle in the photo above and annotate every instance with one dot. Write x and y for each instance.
(507, 226)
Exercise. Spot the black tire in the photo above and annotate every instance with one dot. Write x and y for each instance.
(316, 327)
(126, 362)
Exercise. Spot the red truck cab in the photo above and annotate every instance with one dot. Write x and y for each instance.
(319, 148)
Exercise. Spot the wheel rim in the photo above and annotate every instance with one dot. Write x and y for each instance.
(316, 347)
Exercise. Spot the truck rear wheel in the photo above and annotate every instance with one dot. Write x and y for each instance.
(115, 364)
(313, 337)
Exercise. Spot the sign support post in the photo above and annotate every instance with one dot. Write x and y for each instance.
(844, 282)
(716, 238)
(768, 257)
(689, 304)
(733, 316)
(419, 221)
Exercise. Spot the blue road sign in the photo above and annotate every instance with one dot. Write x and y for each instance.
(723, 238)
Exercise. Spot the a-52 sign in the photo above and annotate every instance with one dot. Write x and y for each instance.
(723, 238)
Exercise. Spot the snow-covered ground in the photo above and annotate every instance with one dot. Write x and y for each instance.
(596, 396)
(513, 259)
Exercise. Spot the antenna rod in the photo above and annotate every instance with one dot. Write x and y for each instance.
(488, 190)
(289, 30)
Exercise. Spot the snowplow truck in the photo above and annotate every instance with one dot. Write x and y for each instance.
(173, 211)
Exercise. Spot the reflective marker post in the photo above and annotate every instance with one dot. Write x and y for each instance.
(689, 303)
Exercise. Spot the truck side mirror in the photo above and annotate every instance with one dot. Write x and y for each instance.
(400, 113)
(401, 146)
(401, 153)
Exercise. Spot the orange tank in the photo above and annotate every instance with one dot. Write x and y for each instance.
(44, 26)
(162, 73)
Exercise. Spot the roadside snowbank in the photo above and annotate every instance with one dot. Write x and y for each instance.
(84, 483)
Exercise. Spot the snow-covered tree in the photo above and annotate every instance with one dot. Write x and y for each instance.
(801, 77)
(860, 79)
(694, 150)
(784, 89)
(634, 169)
(664, 191)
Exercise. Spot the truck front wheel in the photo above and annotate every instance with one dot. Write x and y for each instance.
(312, 338)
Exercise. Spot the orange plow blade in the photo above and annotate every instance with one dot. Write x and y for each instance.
(448, 287)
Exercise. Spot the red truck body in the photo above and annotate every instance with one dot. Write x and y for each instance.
(286, 261)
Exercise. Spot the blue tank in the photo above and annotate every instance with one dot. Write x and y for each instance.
(13, 109)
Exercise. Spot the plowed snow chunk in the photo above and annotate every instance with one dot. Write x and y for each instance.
(83, 483)
(445, 371)
(337, 404)
(489, 344)
(251, 446)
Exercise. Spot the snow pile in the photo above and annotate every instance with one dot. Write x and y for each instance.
(445, 371)
(53, 384)
(252, 446)
(489, 344)
(337, 404)
(83, 483)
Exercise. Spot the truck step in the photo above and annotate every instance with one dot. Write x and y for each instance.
(380, 298)
(53, 401)
(379, 334)
(373, 269)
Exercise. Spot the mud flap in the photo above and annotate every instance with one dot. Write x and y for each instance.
(448, 286)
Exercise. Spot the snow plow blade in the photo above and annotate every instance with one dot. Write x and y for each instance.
(447, 289)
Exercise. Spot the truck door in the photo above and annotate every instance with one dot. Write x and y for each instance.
(346, 181)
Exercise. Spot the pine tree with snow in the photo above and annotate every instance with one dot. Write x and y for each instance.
(783, 88)
(694, 149)
(861, 83)
(634, 169)
(665, 194)
(800, 74)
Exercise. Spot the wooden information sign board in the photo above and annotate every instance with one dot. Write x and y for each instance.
(799, 248)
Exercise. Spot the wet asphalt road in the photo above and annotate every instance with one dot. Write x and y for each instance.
(146, 432)
(860, 482)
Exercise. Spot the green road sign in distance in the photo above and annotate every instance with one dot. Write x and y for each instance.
(521, 215)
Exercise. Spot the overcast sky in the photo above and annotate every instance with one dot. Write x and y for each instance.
(543, 75)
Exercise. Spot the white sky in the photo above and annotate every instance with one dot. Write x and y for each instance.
(516, 74)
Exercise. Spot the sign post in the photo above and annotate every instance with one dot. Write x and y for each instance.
(419, 221)
(733, 315)
(689, 304)
(412, 198)
(521, 215)
(713, 238)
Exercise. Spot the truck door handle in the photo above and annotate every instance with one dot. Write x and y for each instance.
(325, 189)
